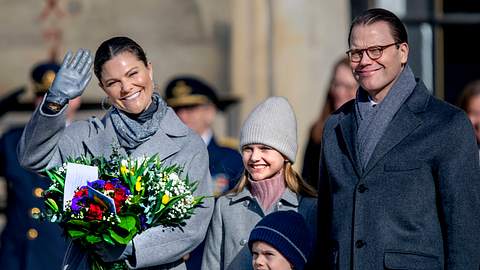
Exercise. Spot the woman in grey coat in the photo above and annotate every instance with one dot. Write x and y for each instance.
(268, 142)
(139, 122)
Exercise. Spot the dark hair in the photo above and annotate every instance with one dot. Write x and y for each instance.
(293, 180)
(398, 30)
(114, 46)
(471, 90)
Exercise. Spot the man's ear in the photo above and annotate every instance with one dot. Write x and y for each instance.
(404, 49)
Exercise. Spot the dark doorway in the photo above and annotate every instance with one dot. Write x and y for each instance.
(462, 58)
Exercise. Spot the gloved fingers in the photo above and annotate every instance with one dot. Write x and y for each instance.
(87, 65)
(86, 80)
(67, 59)
(76, 59)
(83, 61)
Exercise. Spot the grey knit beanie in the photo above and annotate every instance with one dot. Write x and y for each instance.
(272, 123)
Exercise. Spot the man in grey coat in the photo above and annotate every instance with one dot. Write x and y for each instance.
(399, 175)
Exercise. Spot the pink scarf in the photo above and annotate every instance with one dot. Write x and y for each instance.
(268, 191)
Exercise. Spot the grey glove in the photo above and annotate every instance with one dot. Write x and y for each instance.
(72, 78)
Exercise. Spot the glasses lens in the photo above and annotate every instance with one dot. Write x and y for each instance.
(356, 56)
(375, 52)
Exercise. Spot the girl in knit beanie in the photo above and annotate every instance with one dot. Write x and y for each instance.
(268, 143)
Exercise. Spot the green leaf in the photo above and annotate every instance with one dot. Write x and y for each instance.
(52, 204)
(123, 240)
(78, 223)
(107, 239)
(74, 234)
(127, 222)
(93, 239)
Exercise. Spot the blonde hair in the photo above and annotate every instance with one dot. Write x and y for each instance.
(293, 181)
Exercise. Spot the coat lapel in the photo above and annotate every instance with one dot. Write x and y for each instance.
(101, 144)
(161, 143)
(348, 131)
(404, 123)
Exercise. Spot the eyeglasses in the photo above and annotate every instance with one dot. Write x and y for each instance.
(374, 52)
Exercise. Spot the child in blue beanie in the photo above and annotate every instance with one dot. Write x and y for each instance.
(280, 241)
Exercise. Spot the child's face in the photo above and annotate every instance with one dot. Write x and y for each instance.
(266, 257)
(261, 161)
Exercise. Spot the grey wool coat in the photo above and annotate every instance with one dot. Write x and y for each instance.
(46, 142)
(415, 205)
(235, 215)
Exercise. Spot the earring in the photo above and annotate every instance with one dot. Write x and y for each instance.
(155, 87)
(105, 102)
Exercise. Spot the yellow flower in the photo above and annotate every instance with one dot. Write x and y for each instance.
(165, 199)
(123, 169)
(138, 185)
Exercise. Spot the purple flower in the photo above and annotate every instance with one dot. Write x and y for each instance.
(77, 204)
(143, 222)
(97, 184)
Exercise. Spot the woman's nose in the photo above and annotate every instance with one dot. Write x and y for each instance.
(255, 155)
(126, 86)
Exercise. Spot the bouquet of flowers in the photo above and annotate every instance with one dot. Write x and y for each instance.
(129, 196)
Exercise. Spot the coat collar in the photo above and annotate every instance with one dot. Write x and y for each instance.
(403, 124)
(347, 129)
(288, 196)
(170, 127)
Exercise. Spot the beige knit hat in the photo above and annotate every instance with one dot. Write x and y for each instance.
(272, 123)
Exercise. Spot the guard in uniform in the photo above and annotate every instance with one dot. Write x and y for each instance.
(28, 243)
(197, 104)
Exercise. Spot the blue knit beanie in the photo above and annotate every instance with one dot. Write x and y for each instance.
(288, 233)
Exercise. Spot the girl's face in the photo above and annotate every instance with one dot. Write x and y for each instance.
(261, 161)
(127, 82)
(266, 257)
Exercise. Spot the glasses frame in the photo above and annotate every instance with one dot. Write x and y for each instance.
(361, 51)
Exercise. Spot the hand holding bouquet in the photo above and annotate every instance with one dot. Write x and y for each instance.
(130, 196)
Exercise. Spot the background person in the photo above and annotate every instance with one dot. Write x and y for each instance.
(268, 141)
(469, 101)
(343, 87)
(140, 123)
(196, 104)
(28, 243)
(399, 176)
(280, 241)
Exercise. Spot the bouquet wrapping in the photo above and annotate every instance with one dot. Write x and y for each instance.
(129, 196)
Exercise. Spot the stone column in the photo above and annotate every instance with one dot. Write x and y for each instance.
(287, 48)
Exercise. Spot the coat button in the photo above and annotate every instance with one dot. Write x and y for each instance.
(37, 192)
(360, 243)
(243, 242)
(35, 212)
(362, 188)
(279, 204)
(32, 234)
(246, 203)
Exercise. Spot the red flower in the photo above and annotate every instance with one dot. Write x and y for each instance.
(109, 186)
(82, 192)
(119, 197)
(94, 212)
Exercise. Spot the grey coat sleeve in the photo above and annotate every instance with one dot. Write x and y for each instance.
(39, 146)
(212, 254)
(160, 245)
(459, 191)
